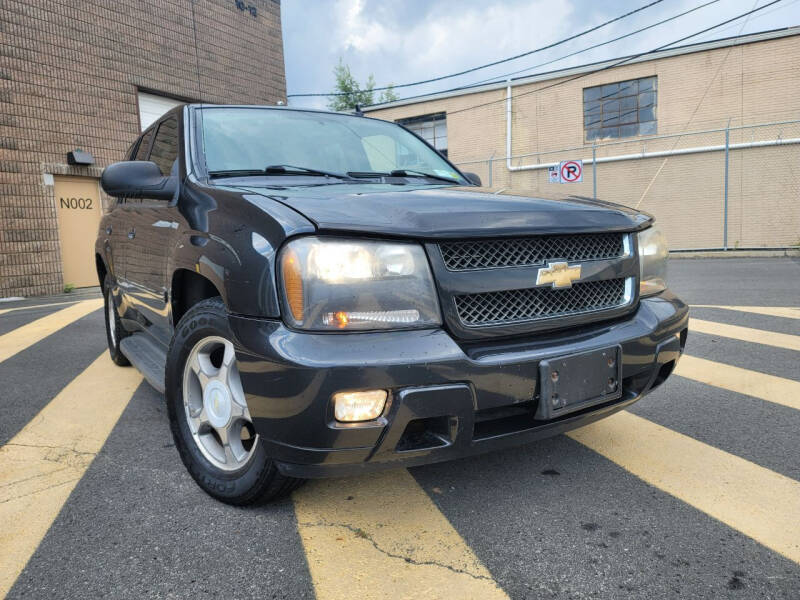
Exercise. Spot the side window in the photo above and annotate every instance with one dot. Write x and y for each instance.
(165, 146)
(144, 146)
(131, 152)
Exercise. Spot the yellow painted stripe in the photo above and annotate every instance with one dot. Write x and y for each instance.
(746, 334)
(787, 312)
(8, 310)
(760, 503)
(381, 536)
(40, 466)
(743, 381)
(27, 335)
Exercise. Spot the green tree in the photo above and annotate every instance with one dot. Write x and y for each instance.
(351, 94)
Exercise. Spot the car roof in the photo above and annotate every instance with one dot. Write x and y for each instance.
(277, 107)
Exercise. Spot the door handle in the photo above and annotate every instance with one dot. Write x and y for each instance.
(132, 233)
(108, 229)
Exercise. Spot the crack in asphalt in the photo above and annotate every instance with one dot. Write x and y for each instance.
(18, 481)
(40, 490)
(46, 447)
(360, 533)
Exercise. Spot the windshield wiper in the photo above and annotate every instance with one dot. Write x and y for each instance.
(276, 170)
(294, 170)
(235, 173)
(407, 172)
(400, 173)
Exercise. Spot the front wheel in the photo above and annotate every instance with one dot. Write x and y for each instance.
(208, 412)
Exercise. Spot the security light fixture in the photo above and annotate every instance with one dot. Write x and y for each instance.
(80, 157)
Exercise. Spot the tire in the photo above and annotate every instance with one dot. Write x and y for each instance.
(218, 446)
(114, 329)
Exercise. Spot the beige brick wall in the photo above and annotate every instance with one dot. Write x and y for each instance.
(69, 76)
(746, 84)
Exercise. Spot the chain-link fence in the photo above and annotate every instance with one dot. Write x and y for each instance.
(732, 187)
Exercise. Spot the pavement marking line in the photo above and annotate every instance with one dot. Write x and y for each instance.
(8, 310)
(27, 335)
(755, 501)
(40, 466)
(746, 334)
(787, 312)
(771, 388)
(381, 536)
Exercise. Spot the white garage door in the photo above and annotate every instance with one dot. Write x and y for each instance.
(151, 107)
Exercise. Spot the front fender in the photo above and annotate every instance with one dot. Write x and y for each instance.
(237, 255)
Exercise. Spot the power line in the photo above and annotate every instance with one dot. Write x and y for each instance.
(491, 64)
(560, 58)
(616, 39)
(620, 62)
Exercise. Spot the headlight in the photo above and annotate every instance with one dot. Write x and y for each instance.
(652, 262)
(349, 285)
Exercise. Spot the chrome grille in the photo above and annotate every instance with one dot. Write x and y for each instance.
(514, 306)
(518, 252)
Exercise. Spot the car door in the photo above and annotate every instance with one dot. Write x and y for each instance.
(152, 227)
(114, 227)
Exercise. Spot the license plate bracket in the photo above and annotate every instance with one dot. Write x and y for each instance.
(576, 381)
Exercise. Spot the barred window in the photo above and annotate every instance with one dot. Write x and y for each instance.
(619, 110)
(431, 128)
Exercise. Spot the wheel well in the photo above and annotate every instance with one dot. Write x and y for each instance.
(101, 269)
(189, 288)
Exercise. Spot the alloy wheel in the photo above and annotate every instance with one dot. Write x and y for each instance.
(215, 405)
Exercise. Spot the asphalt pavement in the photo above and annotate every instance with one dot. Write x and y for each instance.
(693, 492)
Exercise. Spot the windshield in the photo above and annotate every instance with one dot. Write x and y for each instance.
(251, 139)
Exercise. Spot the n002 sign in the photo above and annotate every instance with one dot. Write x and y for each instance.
(78, 203)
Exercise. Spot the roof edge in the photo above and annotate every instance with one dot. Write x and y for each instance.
(738, 40)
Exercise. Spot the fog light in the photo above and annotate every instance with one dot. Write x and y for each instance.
(359, 406)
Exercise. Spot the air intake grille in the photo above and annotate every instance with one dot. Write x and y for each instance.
(513, 306)
(519, 252)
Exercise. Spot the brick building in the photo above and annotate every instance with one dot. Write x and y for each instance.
(656, 126)
(90, 76)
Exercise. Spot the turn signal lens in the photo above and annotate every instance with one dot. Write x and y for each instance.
(653, 254)
(350, 407)
(293, 283)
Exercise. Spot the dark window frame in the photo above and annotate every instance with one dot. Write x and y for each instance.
(622, 109)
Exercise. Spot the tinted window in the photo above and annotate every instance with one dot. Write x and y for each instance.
(253, 138)
(165, 146)
(144, 145)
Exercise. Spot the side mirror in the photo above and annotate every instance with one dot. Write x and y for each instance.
(138, 179)
(474, 179)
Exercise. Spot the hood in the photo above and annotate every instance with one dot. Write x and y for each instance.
(449, 212)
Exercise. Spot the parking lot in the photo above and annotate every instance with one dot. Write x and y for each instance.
(692, 492)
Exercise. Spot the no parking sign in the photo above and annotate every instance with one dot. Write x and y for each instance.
(571, 171)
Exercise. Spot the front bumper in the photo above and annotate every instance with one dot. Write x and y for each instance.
(447, 400)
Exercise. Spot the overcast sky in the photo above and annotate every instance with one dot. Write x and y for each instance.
(401, 41)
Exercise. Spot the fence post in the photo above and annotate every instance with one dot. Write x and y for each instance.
(725, 203)
(594, 171)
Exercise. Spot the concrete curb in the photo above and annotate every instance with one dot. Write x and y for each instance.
(788, 252)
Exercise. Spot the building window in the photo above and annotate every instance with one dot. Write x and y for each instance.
(431, 128)
(619, 110)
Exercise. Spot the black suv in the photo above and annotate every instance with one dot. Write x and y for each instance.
(323, 294)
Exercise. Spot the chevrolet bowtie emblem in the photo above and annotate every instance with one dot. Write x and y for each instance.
(559, 274)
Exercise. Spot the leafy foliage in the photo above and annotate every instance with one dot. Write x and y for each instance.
(353, 93)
